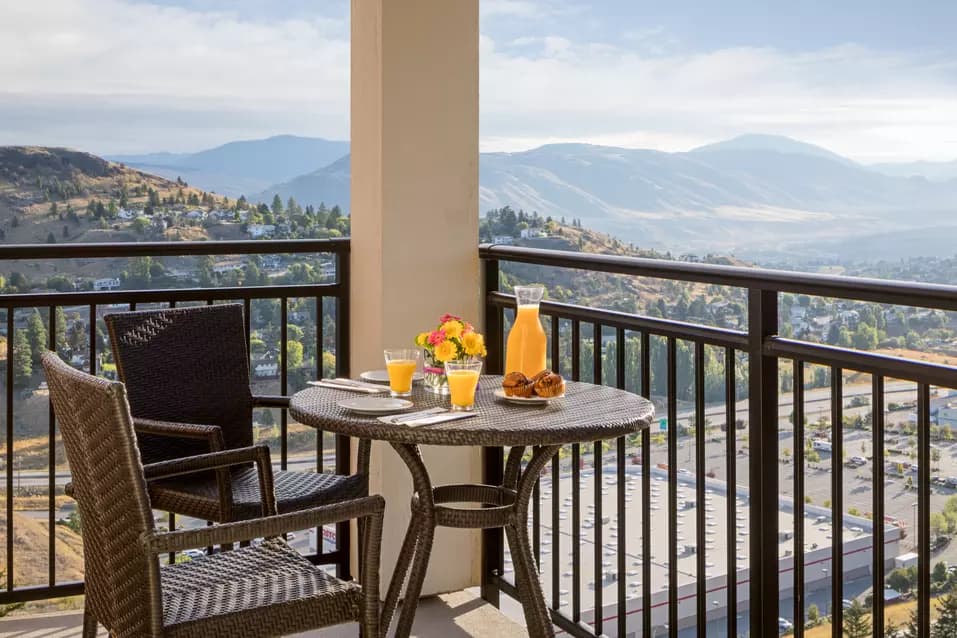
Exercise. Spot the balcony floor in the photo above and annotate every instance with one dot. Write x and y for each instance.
(459, 614)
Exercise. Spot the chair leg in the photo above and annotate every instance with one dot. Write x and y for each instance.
(89, 623)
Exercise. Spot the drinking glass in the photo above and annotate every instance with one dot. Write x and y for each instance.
(463, 378)
(401, 365)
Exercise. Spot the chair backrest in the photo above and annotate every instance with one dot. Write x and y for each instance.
(110, 491)
(187, 365)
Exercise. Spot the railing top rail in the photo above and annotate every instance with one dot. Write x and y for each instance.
(888, 291)
(172, 248)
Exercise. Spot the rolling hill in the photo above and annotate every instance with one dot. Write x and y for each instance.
(242, 167)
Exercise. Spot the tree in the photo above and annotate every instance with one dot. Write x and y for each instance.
(294, 354)
(51, 238)
(857, 622)
(939, 573)
(36, 336)
(813, 614)
(946, 626)
(277, 205)
(22, 358)
(902, 579)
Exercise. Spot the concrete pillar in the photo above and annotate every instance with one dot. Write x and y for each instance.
(415, 222)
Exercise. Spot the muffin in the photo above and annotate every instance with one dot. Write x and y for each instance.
(549, 385)
(516, 384)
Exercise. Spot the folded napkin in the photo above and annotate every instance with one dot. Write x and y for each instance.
(426, 418)
(350, 386)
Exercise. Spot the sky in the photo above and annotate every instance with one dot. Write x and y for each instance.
(873, 80)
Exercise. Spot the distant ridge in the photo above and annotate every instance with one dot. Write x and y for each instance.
(242, 167)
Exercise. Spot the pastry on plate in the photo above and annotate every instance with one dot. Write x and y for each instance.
(549, 385)
(516, 384)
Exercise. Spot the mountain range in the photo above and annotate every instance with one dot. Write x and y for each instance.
(243, 167)
(754, 194)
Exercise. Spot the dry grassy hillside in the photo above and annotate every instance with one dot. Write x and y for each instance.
(34, 179)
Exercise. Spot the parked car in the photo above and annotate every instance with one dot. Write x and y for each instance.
(785, 625)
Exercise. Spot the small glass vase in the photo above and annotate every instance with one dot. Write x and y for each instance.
(435, 380)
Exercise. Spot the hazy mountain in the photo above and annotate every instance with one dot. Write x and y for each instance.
(751, 194)
(933, 171)
(776, 143)
(244, 167)
(329, 184)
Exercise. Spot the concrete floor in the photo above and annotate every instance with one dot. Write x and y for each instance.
(457, 615)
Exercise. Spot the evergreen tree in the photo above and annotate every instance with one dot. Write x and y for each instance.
(36, 336)
(946, 626)
(277, 205)
(22, 358)
(857, 622)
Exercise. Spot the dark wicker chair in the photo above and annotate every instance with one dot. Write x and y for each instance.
(262, 590)
(186, 372)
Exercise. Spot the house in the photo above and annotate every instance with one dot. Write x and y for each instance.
(125, 213)
(503, 239)
(159, 223)
(196, 215)
(266, 370)
(108, 283)
(257, 231)
(533, 233)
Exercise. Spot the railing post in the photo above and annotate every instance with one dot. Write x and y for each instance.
(493, 318)
(493, 555)
(763, 464)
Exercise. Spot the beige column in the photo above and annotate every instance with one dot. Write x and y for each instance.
(415, 222)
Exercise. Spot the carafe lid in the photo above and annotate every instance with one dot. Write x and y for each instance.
(529, 295)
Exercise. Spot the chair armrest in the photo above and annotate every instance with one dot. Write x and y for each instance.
(213, 434)
(221, 461)
(270, 401)
(157, 543)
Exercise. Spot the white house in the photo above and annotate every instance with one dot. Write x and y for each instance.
(196, 215)
(503, 239)
(266, 370)
(532, 233)
(109, 283)
(260, 230)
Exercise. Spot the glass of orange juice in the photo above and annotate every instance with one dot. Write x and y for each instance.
(463, 378)
(401, 365)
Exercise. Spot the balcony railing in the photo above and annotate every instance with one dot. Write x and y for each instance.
(638, 587)
(323, 300)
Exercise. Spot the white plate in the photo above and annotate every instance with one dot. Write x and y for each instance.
(382, 376)
(533, 400)
(375, 406)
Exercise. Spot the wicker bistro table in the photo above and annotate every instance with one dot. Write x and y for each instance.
(587, 413)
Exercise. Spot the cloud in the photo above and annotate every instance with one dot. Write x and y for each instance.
(125, 58)
(867, 104)
(121, 76)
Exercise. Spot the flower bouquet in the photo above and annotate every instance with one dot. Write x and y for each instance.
(453, 340)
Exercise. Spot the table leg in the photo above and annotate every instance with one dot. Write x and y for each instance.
(416, 548)
(537, 617)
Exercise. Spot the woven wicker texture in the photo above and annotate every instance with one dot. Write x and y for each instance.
(110, 490)
(294, 491)
(271, 580)
(186, 369)
(587, 413)
(265, 590)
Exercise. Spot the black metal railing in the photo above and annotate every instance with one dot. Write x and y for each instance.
(755, 355)
(330, 299)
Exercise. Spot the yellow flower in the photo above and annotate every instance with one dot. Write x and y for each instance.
(446, 351)
(452, 329)
(474, 344)
(422, 339)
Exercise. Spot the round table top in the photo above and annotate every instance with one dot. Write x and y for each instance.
(586, 413)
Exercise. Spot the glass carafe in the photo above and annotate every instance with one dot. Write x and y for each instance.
(525, 351)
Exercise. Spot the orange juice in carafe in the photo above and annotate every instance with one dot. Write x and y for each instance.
(526, 347)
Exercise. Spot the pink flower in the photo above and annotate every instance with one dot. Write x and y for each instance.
(468, 328)
(447, 317)
(437, 337)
